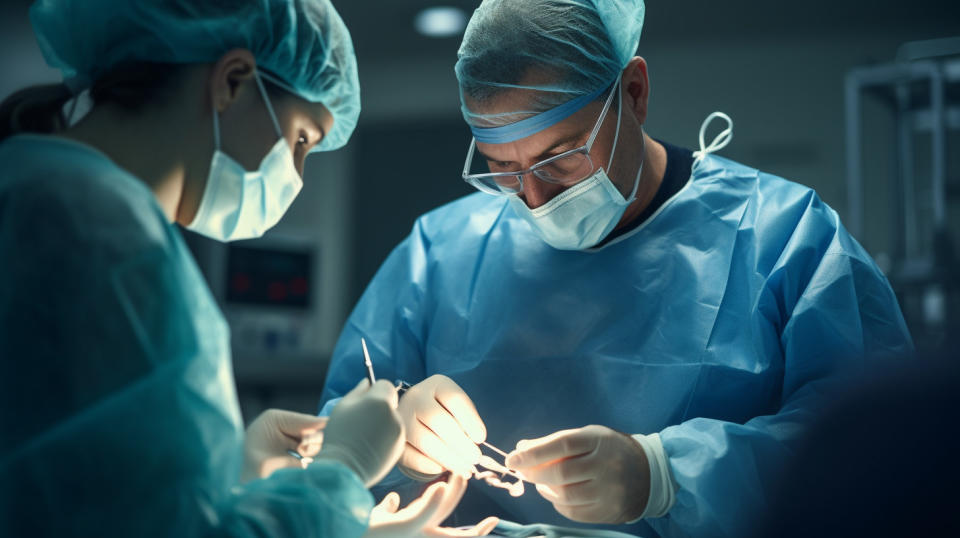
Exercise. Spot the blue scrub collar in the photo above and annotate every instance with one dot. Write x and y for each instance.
(534, 124)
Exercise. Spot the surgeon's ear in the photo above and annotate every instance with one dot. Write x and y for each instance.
(636, 86)
(227, 77)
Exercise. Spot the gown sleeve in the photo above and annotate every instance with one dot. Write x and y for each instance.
(837, 316)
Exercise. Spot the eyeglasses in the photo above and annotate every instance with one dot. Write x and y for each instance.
(567, 168)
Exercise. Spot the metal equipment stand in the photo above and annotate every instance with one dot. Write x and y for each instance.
(922, 91)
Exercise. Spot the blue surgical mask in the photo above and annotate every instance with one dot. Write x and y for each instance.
(238, 204)
(584, 214)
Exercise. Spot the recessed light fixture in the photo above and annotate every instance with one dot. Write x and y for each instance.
(440, 21)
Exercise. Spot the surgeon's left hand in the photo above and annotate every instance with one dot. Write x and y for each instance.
(591, 474)
(273, 433)
(422, 517)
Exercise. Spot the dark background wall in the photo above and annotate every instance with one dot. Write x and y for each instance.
(403, 171)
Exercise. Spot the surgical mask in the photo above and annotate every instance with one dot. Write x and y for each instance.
(238, 204)
(581, 216)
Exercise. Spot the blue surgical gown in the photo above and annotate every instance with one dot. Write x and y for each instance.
(718, 323)
(118, 414)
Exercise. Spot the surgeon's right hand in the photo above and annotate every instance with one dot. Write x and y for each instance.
(443, 429)
(365, 432)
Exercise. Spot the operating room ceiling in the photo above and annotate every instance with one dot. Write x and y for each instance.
(383, 29)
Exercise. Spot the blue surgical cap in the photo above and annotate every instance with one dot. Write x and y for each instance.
(527, 64)
(304, 43)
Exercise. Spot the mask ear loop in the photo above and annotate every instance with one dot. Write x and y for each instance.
(616, 134)
(216, 128)
(643, 159)
(720, 141)
(616, 140)
(266, 99)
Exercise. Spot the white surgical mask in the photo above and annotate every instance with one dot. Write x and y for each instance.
(238, 204)
(581, 216)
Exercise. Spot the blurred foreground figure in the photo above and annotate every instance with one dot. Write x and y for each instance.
(881, 462)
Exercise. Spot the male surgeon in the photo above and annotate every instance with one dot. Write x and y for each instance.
(649, 329)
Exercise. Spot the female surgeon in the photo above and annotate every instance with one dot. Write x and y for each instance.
(117, 406)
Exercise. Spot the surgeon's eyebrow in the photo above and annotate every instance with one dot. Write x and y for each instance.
(547, 153)
(323, 132)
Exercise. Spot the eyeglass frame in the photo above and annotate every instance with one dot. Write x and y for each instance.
(474, 179)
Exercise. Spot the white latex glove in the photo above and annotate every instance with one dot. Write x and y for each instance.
(274, 432)
(443, 429)
(365, 432)
(423, 516)
(591, 474)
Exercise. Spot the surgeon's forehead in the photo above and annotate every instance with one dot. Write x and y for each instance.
(565, 135)
(521, 102)
(315, 112)
(515, 104)
(321, 116)
(518, 99)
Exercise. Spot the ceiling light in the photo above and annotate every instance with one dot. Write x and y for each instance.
(440, 21)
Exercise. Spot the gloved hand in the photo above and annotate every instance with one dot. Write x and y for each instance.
(274, 432)
(591, 474)
(422, 516)
(443, 429)
(365, 432)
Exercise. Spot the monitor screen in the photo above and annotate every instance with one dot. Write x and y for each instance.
(269, 277)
